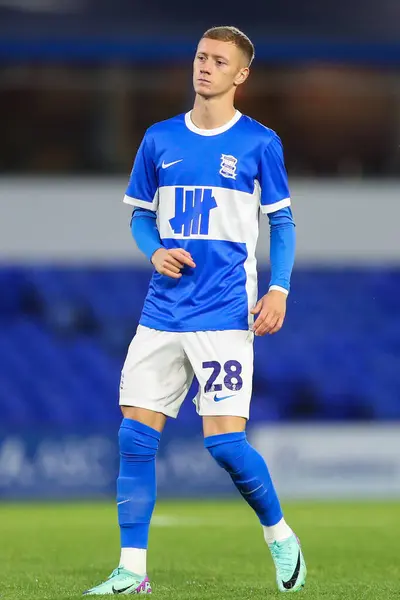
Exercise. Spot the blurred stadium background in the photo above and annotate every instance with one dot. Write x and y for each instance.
(80, 81)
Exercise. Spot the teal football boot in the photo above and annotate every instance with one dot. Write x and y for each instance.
(289, 563)
(121, 581)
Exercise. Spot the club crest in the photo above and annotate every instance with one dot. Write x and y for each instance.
(228, 166)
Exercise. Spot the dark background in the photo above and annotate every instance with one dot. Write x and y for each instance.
(80, 81)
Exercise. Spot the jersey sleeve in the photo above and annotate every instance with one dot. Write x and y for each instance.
(142, 189)
(273, 178)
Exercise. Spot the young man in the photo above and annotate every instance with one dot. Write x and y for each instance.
(197, 185)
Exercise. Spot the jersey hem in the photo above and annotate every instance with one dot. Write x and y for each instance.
(140, 203)
(266, 209)
(157, 327)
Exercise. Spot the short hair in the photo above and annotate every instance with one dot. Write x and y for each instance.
(227, 33)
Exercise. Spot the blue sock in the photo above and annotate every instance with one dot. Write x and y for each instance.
(136, 484)
(249, 473)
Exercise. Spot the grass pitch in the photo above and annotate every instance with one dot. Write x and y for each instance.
(212, 550)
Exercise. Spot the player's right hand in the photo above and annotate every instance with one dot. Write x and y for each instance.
(170, 262)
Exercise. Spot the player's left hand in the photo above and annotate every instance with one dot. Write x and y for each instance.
(272, 309)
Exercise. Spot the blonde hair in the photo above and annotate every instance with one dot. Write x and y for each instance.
(227, 33)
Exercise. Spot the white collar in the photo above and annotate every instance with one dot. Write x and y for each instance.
(208, 132)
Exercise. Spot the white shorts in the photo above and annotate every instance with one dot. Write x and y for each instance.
(160, 367)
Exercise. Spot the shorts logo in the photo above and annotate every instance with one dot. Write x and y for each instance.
(228, 166)
(219, 398)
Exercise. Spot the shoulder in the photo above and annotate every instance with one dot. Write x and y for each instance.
(160, 133)
(260, 132)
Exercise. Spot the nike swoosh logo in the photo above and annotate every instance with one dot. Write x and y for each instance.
(216, 399)
(123, 501)
(289, 584)
(122, 590)
(166, 165)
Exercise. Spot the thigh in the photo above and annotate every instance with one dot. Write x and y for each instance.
(156, 374)
(215, 425)
(223, 364)
(151, 418)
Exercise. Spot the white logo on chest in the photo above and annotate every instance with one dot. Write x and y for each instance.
(228, 166)
(167, 165)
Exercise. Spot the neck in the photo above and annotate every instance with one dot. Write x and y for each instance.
(211, 113)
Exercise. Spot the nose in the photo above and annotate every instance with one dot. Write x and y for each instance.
(205, 68)
(205, 71)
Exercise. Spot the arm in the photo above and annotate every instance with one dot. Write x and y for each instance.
(142, 193)
(146, 235)
(272, 306)
(282, 249)
(145, 232)
(275, 202)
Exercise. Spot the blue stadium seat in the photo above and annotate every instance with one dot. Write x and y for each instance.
(65, 331)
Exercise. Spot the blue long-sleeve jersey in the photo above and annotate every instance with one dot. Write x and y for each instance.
(207, 188)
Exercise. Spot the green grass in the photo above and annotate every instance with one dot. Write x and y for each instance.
(201, 550)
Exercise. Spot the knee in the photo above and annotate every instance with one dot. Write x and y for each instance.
(227, 449)
(152, 419)
(137, 442)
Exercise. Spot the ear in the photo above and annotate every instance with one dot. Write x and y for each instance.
(241, 76)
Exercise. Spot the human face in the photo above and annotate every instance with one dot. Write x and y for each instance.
(218, 67)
